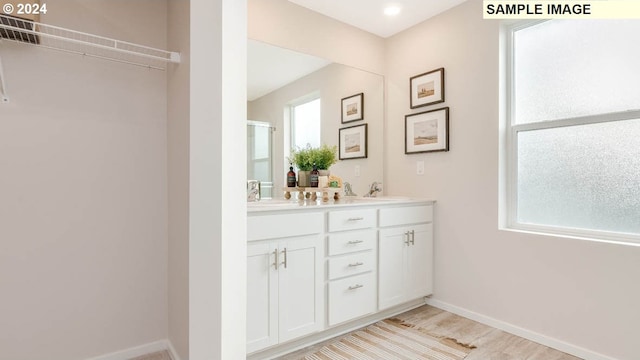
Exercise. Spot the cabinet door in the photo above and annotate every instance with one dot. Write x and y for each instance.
(420, 262)
(392, 266)
(262, 296)
(301, 299)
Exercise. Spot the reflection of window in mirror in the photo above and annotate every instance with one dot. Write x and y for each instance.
(259, 155)
(305, 123)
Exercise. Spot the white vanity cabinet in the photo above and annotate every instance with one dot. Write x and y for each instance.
(351, 264)
(315, 270)
(405, 263)
(285, 297)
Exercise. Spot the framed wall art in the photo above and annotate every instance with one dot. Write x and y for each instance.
(352, 142)
(427, 89)
(353, 108)
(426, 131)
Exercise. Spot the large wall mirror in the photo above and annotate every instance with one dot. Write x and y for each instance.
(279, 79)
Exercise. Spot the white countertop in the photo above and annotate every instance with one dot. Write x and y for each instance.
(345, 201)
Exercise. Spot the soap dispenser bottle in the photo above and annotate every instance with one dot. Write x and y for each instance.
(313, 176)
(291, 177)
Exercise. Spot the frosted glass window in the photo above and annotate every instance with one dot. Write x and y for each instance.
(573, 132)
(306, 124)
(571, 68)
(585, 176)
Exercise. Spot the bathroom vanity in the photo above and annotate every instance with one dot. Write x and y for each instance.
(316, 270)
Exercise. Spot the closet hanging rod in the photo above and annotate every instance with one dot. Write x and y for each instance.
(104, 58)
(58, 38)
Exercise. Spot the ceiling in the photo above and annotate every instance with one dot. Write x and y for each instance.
(270, 67)
(368, 14)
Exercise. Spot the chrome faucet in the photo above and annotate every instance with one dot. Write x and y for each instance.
(347, 190)
(376, 187)
(253, 190)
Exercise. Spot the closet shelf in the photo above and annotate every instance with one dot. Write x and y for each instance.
(58, 38)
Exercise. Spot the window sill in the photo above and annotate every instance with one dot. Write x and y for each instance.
(576, 234)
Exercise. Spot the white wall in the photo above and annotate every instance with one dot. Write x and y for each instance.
(576, 292)
(83, 205)
(217, 187)
(331, 83)
(284, 24)
(178, 177)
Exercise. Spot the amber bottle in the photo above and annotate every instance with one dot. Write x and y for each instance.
(291, 177)
(313, 176)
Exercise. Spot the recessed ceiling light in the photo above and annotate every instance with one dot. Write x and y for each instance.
(392, 10)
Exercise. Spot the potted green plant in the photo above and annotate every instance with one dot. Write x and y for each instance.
(324, 156)
(304, 159)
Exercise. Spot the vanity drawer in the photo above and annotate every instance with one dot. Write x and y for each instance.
(262, 227)
(352, 297)
(351, 241)
(351, 264)
(406, 215)
(352, 219)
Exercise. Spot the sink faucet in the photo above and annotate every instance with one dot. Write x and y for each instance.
(253, 190)
(375, 188)
(347, 190)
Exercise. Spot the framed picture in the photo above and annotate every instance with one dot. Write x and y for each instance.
(427, 89)
(426, 131)
(353, 108)
(352, 142)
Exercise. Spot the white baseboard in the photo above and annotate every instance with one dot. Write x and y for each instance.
(145, 349)
(172, 350)
(524, 333)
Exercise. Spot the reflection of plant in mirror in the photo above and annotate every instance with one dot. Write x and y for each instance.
(301, 157)
(323, 156)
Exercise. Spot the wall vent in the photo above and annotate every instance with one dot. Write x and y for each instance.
(10, 32)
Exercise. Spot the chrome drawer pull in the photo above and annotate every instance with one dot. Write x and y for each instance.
(353, 242)
(355, 219)
(356, 264)
(356, 286)
(285, 258)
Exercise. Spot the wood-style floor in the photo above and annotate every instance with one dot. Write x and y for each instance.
(489, 343)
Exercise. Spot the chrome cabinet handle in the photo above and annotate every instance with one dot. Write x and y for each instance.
(406, 238)
(285, 258)
(356, 264)
(275, 256)
(356, 286)
(353, 242)
(413, 237)
(355, 219)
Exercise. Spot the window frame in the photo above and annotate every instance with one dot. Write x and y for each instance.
(512, 131)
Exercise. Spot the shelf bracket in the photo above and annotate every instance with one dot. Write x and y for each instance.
(3, 86)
